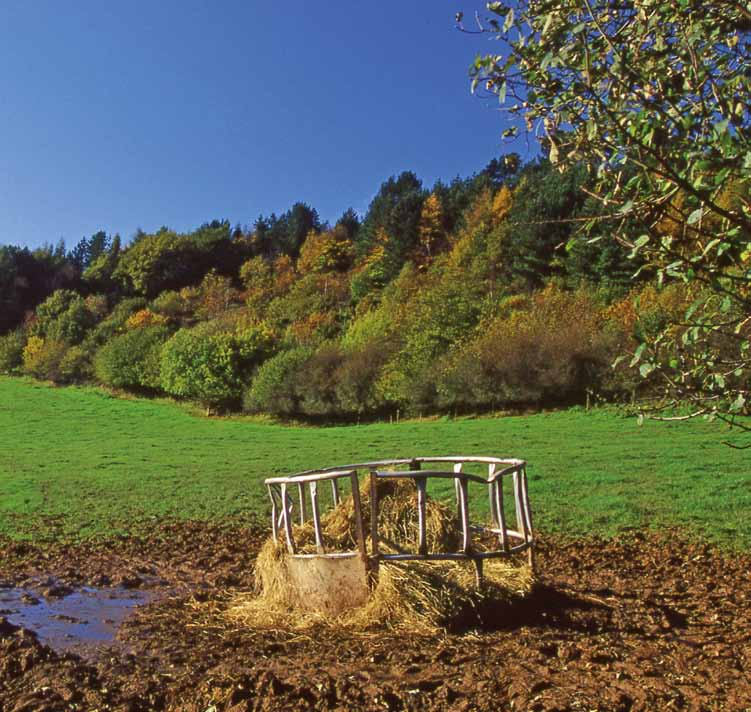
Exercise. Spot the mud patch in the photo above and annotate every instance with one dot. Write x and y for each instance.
(68, 620)
(640, 622)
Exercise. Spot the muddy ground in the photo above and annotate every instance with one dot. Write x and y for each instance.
(638, 623)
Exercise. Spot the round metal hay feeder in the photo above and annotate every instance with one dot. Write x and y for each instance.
(332, 581)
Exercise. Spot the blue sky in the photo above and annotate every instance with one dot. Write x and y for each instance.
(142, 114)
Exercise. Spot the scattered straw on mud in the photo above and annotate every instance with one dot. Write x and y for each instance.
(417, 596)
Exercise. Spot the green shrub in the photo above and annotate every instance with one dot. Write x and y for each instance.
(11, 352)
(310, 310)
(75, 366)
(132, 360)
(357, 377)
(63, 316)
(323, 382)
(372, 326)
(212, 365)
(171, 304)
(275, 386)
(317, 381)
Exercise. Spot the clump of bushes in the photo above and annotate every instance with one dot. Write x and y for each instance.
(549, 350)
(75, 366)
(327, 381)
(132, 359)
(114, 323)
(42, 358)
(276, 386)
(11, 352)
(63, 316)
(211, 364)
(357, 380)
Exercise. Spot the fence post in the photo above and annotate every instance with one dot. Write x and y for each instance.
(274, 524)
(316, 516)
(457, 468)
(375, 552)
(491, 495)
(286, 512)
(359, 523)
(422, 490)
(464, 511)
(303, 504)
(528, 517)
(422, 535)
(335, 492)
(497, 489)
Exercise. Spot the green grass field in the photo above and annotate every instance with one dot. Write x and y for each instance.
(79, 462)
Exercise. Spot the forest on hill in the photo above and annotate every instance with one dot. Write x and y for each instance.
(465, 296)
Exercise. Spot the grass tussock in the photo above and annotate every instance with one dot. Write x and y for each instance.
(417, 596)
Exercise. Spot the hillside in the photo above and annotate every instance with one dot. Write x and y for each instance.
(469, 296)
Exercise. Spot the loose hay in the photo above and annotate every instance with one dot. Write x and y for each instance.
(416, 595)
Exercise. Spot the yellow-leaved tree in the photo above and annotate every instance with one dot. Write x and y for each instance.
(431, 233)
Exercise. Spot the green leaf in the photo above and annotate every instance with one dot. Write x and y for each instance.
(738, 404)
(721, 128)
(637, 354)
(710, 245)
(695, 216)
(548, 22)
(509, 20)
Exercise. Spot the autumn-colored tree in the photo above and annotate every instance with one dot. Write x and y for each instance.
(431, 235)
(143, 318)
(502, 204)
(479, 249)
(284, 274)
(215, 295)
(330, 251)
(42, 357)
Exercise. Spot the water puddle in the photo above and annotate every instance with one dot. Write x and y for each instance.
(76, 620)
